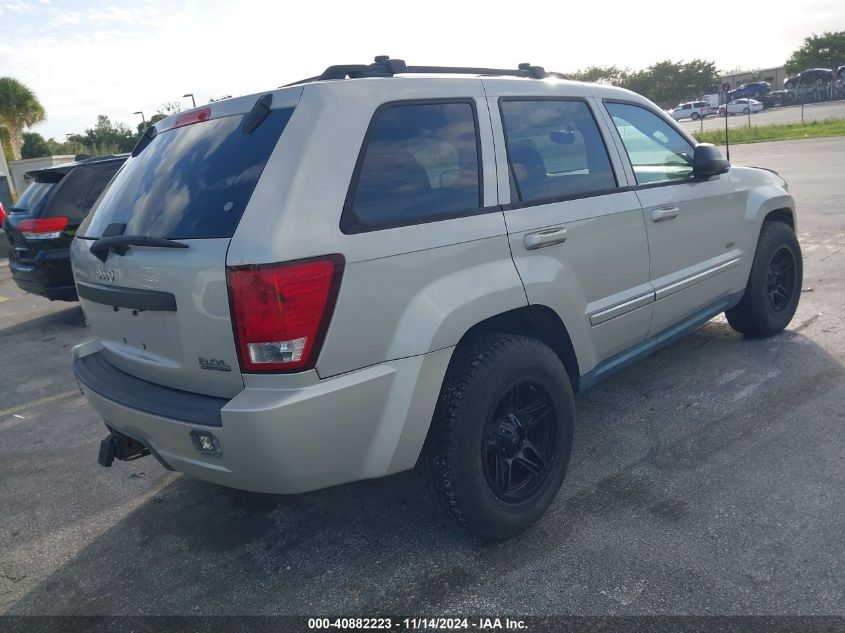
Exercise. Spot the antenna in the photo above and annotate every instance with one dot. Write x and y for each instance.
(726, 87)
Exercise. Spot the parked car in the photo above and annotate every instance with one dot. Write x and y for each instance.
(778, 98)
(281, 304)
(756, 90)
(741, 106)
(810, 76)
(42, 223)
(691, 110)
(840, 73)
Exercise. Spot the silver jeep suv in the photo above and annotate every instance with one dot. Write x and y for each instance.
(391, 267)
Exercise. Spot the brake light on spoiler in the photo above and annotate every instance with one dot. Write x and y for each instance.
(280, 312)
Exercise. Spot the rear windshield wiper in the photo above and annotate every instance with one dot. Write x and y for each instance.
(121, 243)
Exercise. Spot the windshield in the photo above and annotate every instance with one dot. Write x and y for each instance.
(190, 182)
(34, 198)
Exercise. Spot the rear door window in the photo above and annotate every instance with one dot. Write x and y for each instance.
(420, 162)
(555, 149)
(189, 182)
(79, 191)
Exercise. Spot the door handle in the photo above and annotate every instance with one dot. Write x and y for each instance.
(539, 239)
(664, 213)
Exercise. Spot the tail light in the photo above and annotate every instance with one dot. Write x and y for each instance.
(43, 228)
(2, 214)
(280, 312)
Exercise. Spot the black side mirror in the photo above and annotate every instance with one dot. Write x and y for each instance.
(707, 161)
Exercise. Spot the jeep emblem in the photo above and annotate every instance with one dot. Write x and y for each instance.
(105, 273)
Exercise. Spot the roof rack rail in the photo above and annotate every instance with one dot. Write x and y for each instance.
(385, 66)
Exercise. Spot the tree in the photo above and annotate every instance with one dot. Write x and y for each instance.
(107, 137)
(34, 146)
(6, 144)
(19, 109)
(668, 82)
(602, 74)
(818, 51)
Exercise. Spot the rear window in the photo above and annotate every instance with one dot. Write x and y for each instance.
(555, 149)
(190, 182)
(34, 198)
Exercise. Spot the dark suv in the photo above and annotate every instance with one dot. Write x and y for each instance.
(42, 224)
(755, 90)
(810, 76)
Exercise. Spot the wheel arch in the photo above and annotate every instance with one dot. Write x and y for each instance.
(783, 214)
(539, 322)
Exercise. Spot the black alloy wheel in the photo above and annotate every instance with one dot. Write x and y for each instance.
(781, 278)
(519, 442)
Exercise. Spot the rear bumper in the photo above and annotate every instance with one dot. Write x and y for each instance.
(48, 275)
(288, 434)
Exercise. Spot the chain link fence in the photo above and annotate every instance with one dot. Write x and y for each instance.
(816, 105)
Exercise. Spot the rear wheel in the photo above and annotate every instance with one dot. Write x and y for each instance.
(695, 116)
(501, 435)
(774, 285)
(745, 110)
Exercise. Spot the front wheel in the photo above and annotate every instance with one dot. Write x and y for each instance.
(745, 110)
(774, 285)
(694, 116)
(501, 435)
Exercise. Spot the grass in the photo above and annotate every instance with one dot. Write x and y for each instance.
(775, 132)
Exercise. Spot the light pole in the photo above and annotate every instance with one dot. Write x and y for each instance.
(143, 118)
(191, 95)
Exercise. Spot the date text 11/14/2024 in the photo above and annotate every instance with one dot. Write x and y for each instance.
(414, 624)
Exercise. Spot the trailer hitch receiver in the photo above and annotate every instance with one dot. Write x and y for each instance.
(117, 446)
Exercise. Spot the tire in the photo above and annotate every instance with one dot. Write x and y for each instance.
(745, 110)
(770, 299)
(695, 116)
(723, 113)
(483, 419)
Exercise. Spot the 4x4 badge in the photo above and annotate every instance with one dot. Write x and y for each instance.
(214, 364)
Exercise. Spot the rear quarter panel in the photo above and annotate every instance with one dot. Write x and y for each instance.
(407, 290)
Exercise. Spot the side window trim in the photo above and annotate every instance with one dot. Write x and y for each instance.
(518, 203)
(624, 150)
(350, 224)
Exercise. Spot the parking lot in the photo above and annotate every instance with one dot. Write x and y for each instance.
(707, 479)
(772, 116)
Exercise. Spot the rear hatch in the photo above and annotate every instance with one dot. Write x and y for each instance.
(30, 207)
(162, 314)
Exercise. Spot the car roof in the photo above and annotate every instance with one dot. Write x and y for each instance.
(57, 172)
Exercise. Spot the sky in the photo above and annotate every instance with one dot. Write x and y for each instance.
(84, 58)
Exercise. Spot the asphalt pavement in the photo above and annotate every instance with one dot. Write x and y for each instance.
(707, 479)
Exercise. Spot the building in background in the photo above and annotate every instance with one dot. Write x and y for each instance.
(19, 168)
(774, 76)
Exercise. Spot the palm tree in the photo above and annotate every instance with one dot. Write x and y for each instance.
(19, 109)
